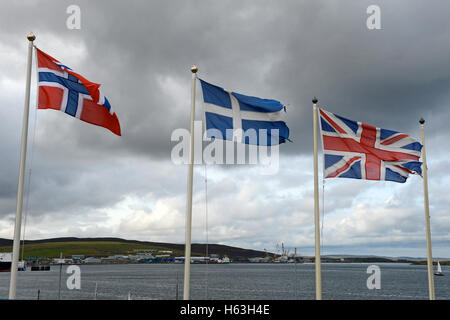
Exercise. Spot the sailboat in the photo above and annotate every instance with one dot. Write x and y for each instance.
(439, 270)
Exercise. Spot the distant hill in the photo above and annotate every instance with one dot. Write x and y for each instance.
(107, 246)
(110, 246)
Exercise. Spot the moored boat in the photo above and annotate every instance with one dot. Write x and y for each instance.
(40, 267)
(5, 262)
(224, 260)
(22, 266)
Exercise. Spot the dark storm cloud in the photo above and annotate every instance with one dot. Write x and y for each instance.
(290, 51)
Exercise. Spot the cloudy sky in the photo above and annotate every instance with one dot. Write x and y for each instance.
(87, 182)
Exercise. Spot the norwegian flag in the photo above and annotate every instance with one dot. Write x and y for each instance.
(62, 89)
(360, 151)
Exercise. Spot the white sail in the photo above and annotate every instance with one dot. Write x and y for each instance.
(439, 268)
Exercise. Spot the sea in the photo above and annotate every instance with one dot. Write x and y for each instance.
(234, 281)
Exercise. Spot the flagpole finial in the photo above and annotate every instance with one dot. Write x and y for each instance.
(314, 100)
(194, 69)
(422, 121)
(31, 36)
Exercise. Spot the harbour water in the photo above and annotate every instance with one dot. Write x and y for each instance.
(230, 282)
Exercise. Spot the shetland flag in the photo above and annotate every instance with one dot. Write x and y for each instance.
(241, 118)
(357, 150)
(62, 89)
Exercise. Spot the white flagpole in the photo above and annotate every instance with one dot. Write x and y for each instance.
(427, 214)
(187, 255)
(23, 154)
(316, 206)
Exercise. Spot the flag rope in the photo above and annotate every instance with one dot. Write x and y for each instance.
(206, 208)
(27, 200)
(207, 234)
(323, 214)
(322, 222)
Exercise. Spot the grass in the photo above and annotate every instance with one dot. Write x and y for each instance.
(88, 248)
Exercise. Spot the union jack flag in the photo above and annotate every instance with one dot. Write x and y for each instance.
(62, 89)
(353, 149)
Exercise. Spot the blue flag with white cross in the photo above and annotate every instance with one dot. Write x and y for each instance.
(245, 119)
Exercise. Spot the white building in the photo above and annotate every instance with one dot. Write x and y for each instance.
(92, 260)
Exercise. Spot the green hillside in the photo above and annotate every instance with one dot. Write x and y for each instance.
(93, 248)
(103, 247)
